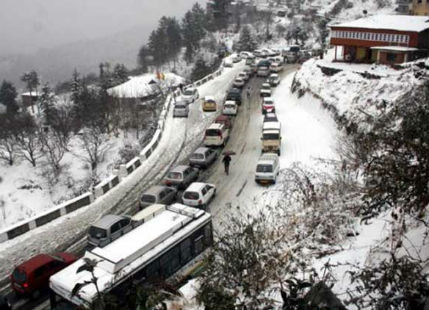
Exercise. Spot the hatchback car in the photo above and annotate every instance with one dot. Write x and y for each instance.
(273, 79)
(234, 94)
(270, 117)
(268, 105)
(190, 94)
(202, 157)
(239, 82)
(181, 176)
(32, 276)
(267, 168)
(181, 109)
(236, 58)
(158, 194)
(110, 227)
(244, 75)
(209, 104)
(225, 120)
(265, 90)
(199, 194)
(230, 108)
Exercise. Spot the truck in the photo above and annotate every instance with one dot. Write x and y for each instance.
(271, 137)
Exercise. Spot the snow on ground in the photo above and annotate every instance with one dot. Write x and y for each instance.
(179, 136)
(349, 92)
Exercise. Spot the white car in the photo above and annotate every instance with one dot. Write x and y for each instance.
(227, 63)
(244, 75)
(236, 58)
(274, 79)
(267, 168)
(238, 82)
(230, 108)
(190, 94)
(276, 67)
(246, 55)
(199, 194)
(265, 90)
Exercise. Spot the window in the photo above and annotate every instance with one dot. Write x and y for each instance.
(162, 194)
(170, 262)
(390, 57)
(208, 238)
(39, 271)
(124, 222)
(204, 191)
(115, 227)
(152, 270)
(185, 251)
(198, 245)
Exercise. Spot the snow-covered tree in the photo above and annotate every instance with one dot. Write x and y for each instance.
(246, 41)
(8, 96)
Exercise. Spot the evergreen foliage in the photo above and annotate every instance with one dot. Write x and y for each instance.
(246, 41)
(8, 96)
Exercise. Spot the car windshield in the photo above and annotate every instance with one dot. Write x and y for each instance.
(270, 136)
(268, 102)
(180, 106)
(19, 276)
(197, 156)
(97, 232)
(264, 168)
(191, 195)
(212, 132)
(174, 175)
(209, 101)
(265, 94)
(148, 198)
(188, 92)
(266, 86)
(229, 106)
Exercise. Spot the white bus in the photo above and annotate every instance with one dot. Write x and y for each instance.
(166, 247)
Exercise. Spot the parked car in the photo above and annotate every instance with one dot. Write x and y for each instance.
(234, 94)
(227, 63)
(263, 71)
(270, 117)
(158, 194)
(216, 135)
(181, 176)
(199, 194)
(276, 67)
(203, 157)
(257, 53)
(236, 58)
(250, 61)
(238, 83)
(244, 75)
(209, 104)
(225, 120)
(268, 105)
(246, 55)
(32, 276)
(267, 168)
(281, 13)
(181, 109)
(273, 79)
(230, 107)
(265, 90)
(249, 72)
(271, 137)
(109, 228)
(190, 94)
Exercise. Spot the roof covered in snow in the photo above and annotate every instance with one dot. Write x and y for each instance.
(143, 85)
(395, 48)
(389, 22)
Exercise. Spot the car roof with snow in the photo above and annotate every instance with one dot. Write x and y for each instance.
(179, 168)
(201, 150)
(230, 102)
(268, 157)
(154, 190)
(271, 126)
(268, 99)
(216, 126)
(196, 186)
(275, 75)
(209, 98)
(107, 220)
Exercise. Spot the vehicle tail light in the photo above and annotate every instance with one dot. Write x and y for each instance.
(25, 284)
(219, 134)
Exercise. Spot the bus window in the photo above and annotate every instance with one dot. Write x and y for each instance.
(185, 251)
(198, 244)
(152, 271)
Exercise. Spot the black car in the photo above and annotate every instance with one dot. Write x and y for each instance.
(235, 95)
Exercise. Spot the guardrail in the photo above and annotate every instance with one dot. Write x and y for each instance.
(104, 186)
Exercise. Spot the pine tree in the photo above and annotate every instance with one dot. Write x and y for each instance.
(46, 104)
(143, 58)
(246, 41)
(8, 97)
(174, 35)
(200, 70)
(220, 13)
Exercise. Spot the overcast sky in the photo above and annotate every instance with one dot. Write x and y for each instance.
(27, 25)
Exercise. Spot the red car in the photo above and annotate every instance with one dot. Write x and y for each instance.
(268, 105)
(224, 119)
(33, 275)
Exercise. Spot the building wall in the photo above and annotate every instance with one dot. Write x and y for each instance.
(384, 58)
(372, 37)
(423, 39)
(403, 7)
(420, 7)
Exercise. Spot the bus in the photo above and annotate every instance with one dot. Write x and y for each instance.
(167, 247)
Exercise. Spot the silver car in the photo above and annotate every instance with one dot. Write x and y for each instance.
(203, 157)
(108, 228)
(181, 176)
(158, 194)
(181, 109)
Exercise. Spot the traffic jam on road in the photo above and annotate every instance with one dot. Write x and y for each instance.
(180, 191)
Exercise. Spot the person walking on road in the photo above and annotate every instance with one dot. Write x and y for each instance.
(248, 92)
(226, 160)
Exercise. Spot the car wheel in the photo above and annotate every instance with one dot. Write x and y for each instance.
(35, 294)
(278, 152)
